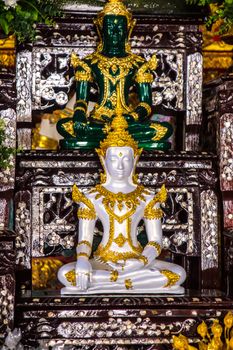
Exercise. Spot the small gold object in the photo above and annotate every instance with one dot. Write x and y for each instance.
(114, 275)
(44, 272)
(128, 284)
(135, 116)
(160, 131)
(143, 259)
(120, 240)
(120, 154)
(171, 276)
(69, 127)
(71, 277)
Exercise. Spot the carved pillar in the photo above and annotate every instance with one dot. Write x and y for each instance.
(7, 280)
(7, 180)
(24, 101)
(218, 126)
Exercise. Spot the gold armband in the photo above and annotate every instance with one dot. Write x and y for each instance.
(156, 245)
(146, 107)
(82, 254)
(79, 108)
(85, 243)
(81, 101)
(83, 76)
(144, 78)
(143, 259)
(151, 213)
(86, 214)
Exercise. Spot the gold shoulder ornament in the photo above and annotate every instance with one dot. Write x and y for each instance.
(83, 71)
(144, 74)
(150, 212)
(83, 213)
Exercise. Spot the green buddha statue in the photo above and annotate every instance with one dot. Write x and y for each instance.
(114, 70)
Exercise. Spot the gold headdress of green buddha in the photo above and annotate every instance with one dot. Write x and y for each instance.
(117, 8)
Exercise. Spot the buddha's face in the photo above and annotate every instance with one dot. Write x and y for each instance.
(114, 31)
(119, 162)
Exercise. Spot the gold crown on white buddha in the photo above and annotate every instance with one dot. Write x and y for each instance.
(118, 136)
(117, 8)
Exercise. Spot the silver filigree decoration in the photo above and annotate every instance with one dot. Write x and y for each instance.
(226, 152)
(3, 213)
(168, 83)
(194, 89)
(209, 230)
(6, 300)
(24, 138)
(24, 86)
(7, 176)
(87, 179)
(122, 328)
(23, 230)
(52, 219)
(51, 90)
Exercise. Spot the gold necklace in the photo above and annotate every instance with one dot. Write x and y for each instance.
(131, 200)
(111, 65)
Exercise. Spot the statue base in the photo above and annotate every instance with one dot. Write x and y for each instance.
(110, 290)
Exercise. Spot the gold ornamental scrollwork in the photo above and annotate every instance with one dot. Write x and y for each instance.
(217, 336)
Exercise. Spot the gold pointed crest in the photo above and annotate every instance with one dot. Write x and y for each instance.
(117, 8)
(118, 136)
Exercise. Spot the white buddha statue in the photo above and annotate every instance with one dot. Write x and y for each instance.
(120, 263)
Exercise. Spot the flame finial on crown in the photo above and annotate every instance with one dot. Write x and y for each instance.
(118, 136)
(117, 8)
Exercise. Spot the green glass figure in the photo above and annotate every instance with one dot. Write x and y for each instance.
(115, 70)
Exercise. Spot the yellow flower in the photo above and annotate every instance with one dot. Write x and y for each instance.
(216, 329)
(231, 344)
(180, 343)
(202, 329)
(228, 320)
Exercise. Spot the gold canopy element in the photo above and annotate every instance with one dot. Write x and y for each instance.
(117, 8)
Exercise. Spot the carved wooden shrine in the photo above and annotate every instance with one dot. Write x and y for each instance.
(196, 233)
